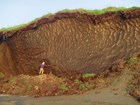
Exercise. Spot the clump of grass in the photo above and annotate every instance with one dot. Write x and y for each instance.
(80, 84)
(63, 87)
(29, 88)
(88, 75)
(77, 81)
(86, 86)
(11, 79)
(1, 75)
(129, 87)
(133, 59)
(82, 87)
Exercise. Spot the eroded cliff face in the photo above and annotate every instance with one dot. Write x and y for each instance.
(6, 61)
(76, 41)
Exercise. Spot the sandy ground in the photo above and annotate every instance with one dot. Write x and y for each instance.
(98, 97)
(114, 95)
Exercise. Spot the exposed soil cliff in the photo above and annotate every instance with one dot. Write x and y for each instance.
(72, 41)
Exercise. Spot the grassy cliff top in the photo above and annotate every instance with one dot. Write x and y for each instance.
(93, 12)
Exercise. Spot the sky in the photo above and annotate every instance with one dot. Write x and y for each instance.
(16, 12)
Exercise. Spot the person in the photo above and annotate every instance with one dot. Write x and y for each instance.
(42, 66)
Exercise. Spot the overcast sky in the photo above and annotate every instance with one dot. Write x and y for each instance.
(15, 12)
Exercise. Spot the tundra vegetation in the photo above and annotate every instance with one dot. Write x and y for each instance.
(81, 10)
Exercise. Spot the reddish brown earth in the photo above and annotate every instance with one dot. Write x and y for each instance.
(71, 42)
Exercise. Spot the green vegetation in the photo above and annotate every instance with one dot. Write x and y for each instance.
(82, 87)
(129, 87)
(1, 75)
(29, 88)
(133, 59)
(102, 11)
(88, 75)
(86, 85)
(11, 79)
(21, 26)
(63, 87)
(13, 28)
(96, 12)
(77, 81)
(93, 12)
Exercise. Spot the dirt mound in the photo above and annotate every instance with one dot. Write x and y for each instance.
(42, 85)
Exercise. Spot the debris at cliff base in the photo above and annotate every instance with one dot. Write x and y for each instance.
(51, 85)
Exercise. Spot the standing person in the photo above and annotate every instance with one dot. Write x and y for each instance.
(42, 66)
